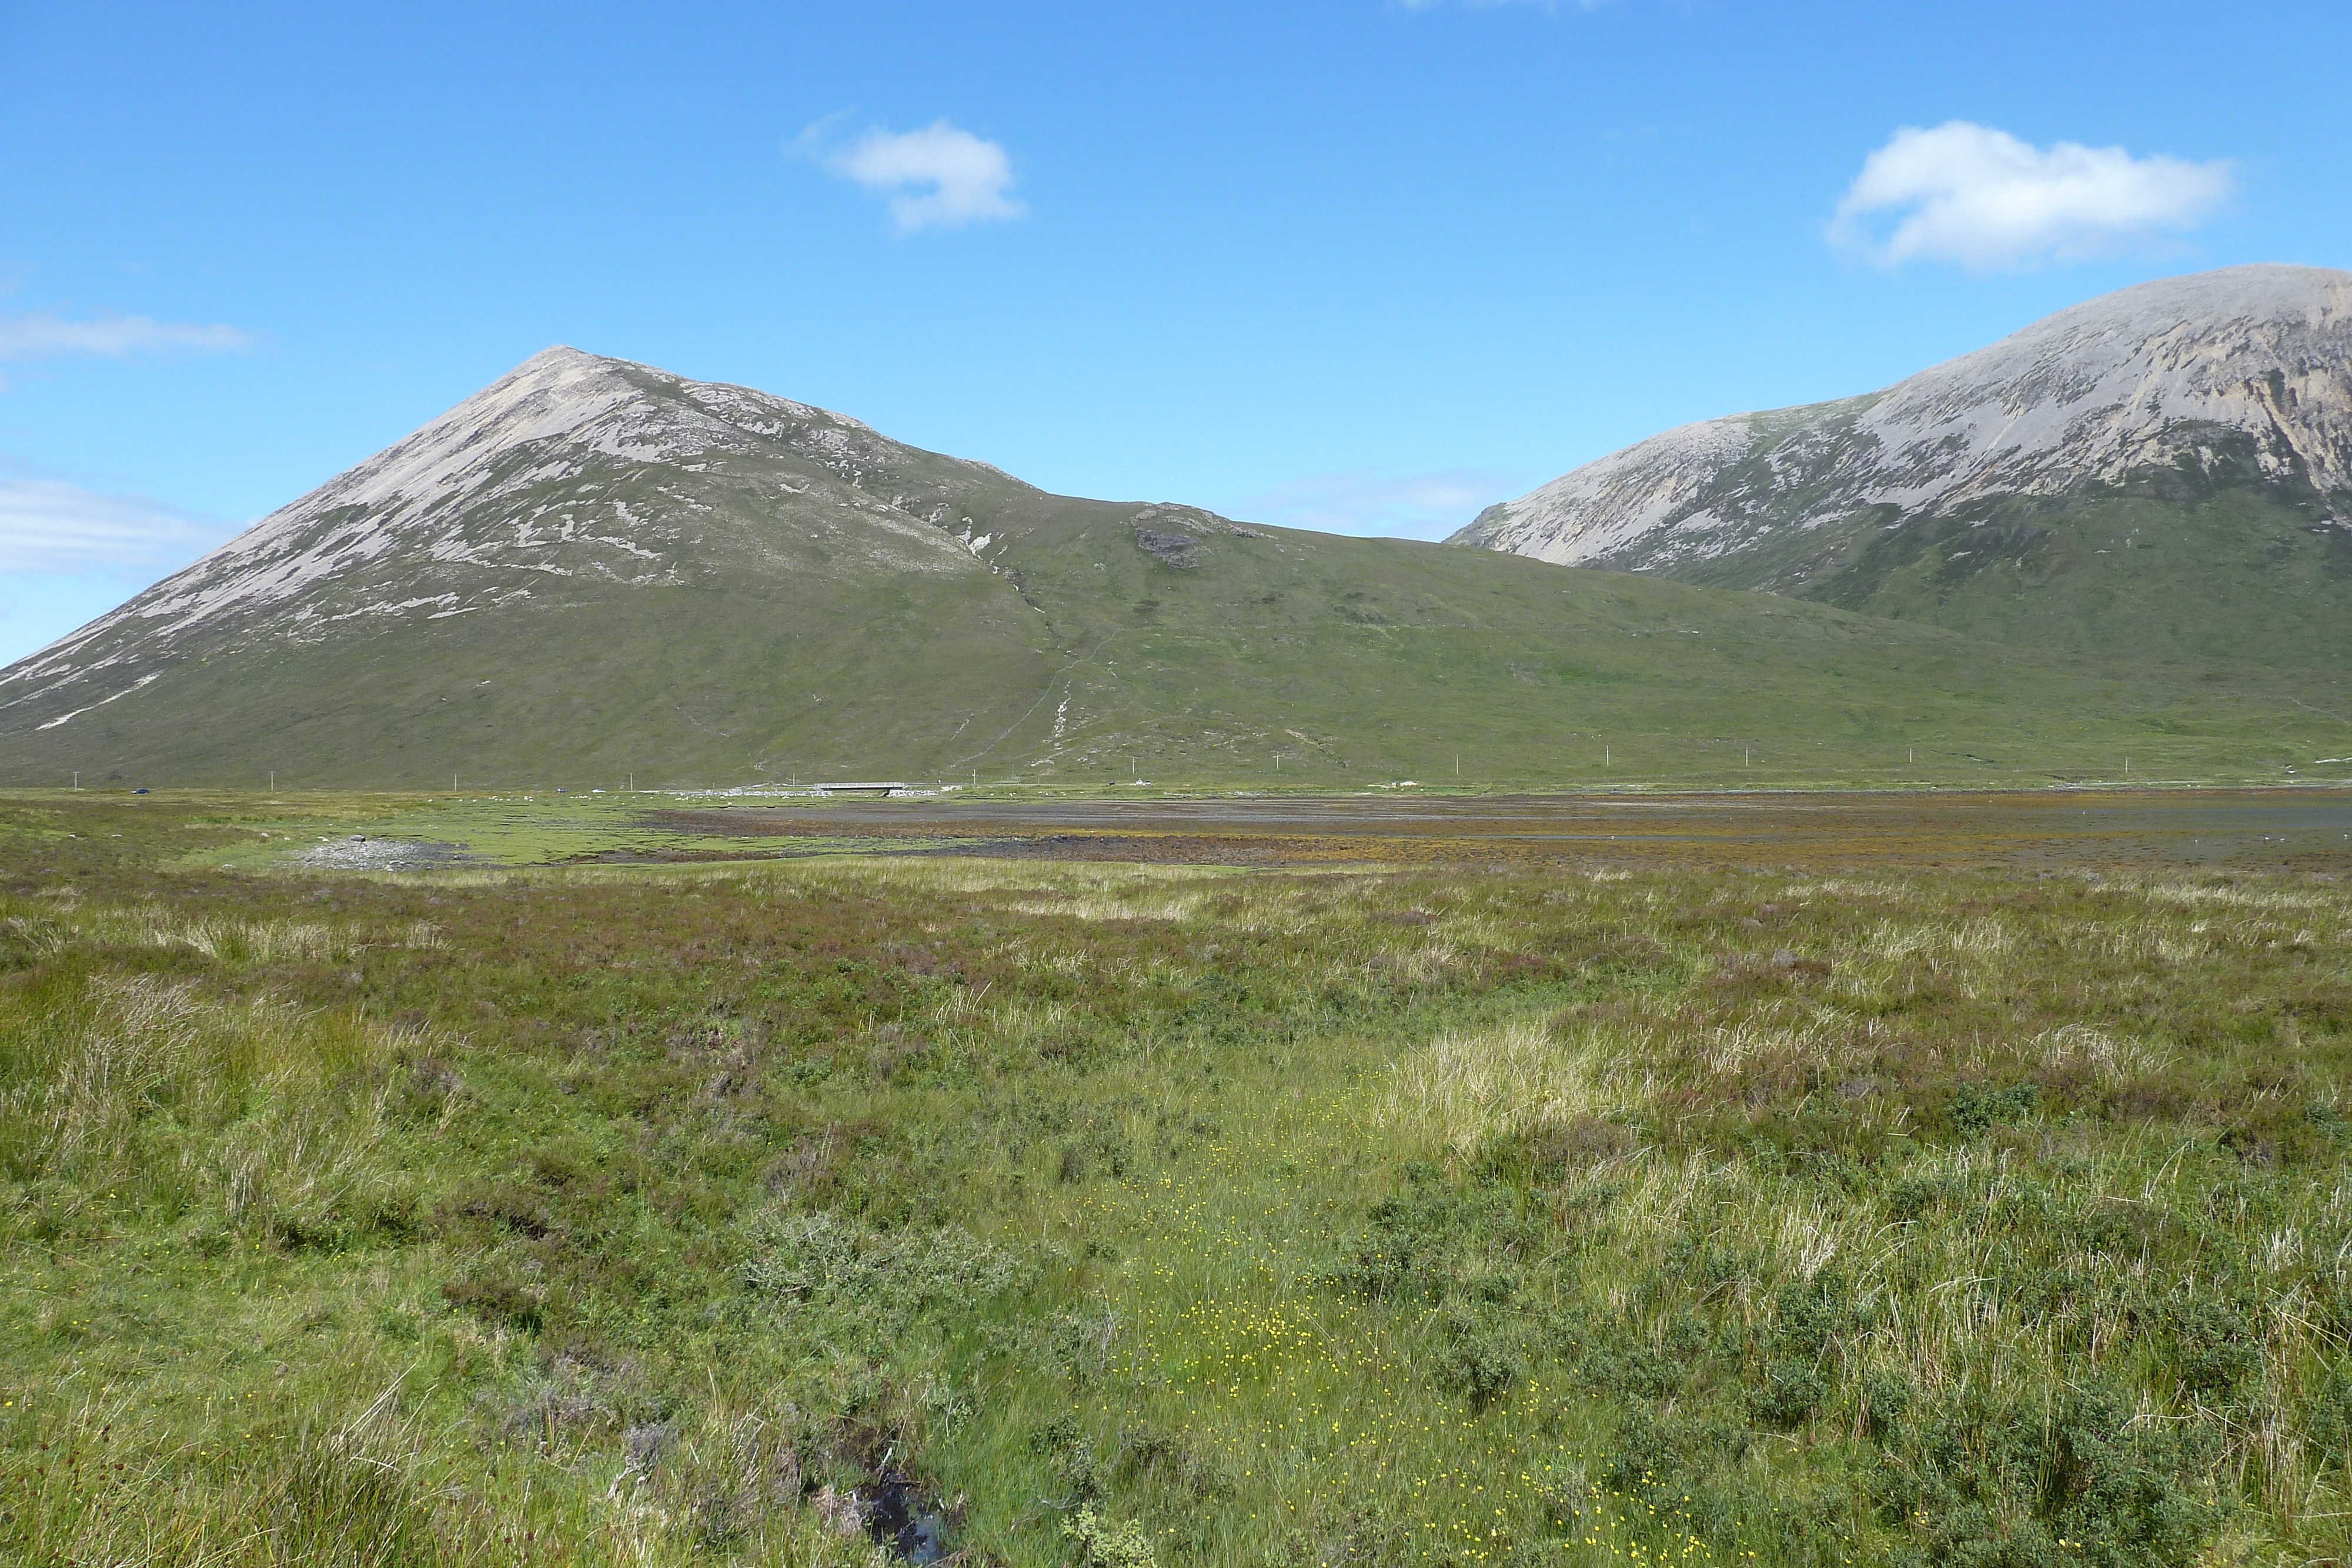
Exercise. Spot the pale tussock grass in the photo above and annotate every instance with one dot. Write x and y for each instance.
(2150, 940)
(1892, 941)
(1845, 887)
(258, 942)
(1461, 1088)
(1421, 964)
(37, 937)
(1170, 909)
(1024, 1024)
(1807, 1235)
(2111, 1058)
(274, 1114)
(218, 939)
(1727, 1048)
(2229, 894)
(944, 874)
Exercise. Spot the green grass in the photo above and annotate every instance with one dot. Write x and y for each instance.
(813, 601)
(646, 1215)
(2170, 568)
(1356, 661)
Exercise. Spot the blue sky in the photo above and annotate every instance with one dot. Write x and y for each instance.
(1353, 264)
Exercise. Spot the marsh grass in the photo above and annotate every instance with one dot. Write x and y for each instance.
(140, 1094)
(1099, 1214)
(1462, 1090)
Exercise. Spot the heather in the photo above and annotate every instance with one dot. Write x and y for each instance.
(1103, 1214)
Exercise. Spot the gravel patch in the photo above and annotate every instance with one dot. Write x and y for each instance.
(360, 854)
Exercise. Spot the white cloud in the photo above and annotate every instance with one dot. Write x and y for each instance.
(1981, 197)
(935, 177)
(1412, 506)
(47, 525)
(37, 337)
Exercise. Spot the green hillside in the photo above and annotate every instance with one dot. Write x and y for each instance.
(594, 571)
(2176, 564)
(1358, 661)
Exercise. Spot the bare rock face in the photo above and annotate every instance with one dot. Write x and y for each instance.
(567, 481)
(1170, 549)
(563, 478)
(2244, 374)
(1172, 534)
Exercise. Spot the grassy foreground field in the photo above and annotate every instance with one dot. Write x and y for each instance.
(1104, 1215)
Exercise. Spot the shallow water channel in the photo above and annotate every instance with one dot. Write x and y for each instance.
(2297, 829)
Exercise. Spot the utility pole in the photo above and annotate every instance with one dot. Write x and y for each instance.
(78, 779)
(1604, 757)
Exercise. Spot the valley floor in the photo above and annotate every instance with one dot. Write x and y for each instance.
(1892, 1195)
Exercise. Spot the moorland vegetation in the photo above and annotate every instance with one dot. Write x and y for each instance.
(1105, 1215)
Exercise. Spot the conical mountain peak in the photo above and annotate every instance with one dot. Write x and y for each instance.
(569, 476)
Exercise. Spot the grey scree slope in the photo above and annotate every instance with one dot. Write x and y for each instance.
(2250, 366)
(597, 502)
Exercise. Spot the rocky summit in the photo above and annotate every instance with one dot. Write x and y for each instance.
(2167, 469)
(571, 479)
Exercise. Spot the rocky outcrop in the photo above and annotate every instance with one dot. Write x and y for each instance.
(2247, 370)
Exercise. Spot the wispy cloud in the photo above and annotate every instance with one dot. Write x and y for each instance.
(937, 177)
(1981, 197)
(48, 525)
(40, 337)
(1407, 505)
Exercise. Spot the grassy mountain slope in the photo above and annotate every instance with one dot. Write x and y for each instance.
(595, 569)
(2165, 472)
(1372, 661)
(2174, 564)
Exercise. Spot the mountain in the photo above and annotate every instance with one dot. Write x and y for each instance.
(594, 569)
(2165, 471)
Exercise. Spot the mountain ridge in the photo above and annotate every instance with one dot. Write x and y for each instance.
(593, 567)
(2231, 387)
